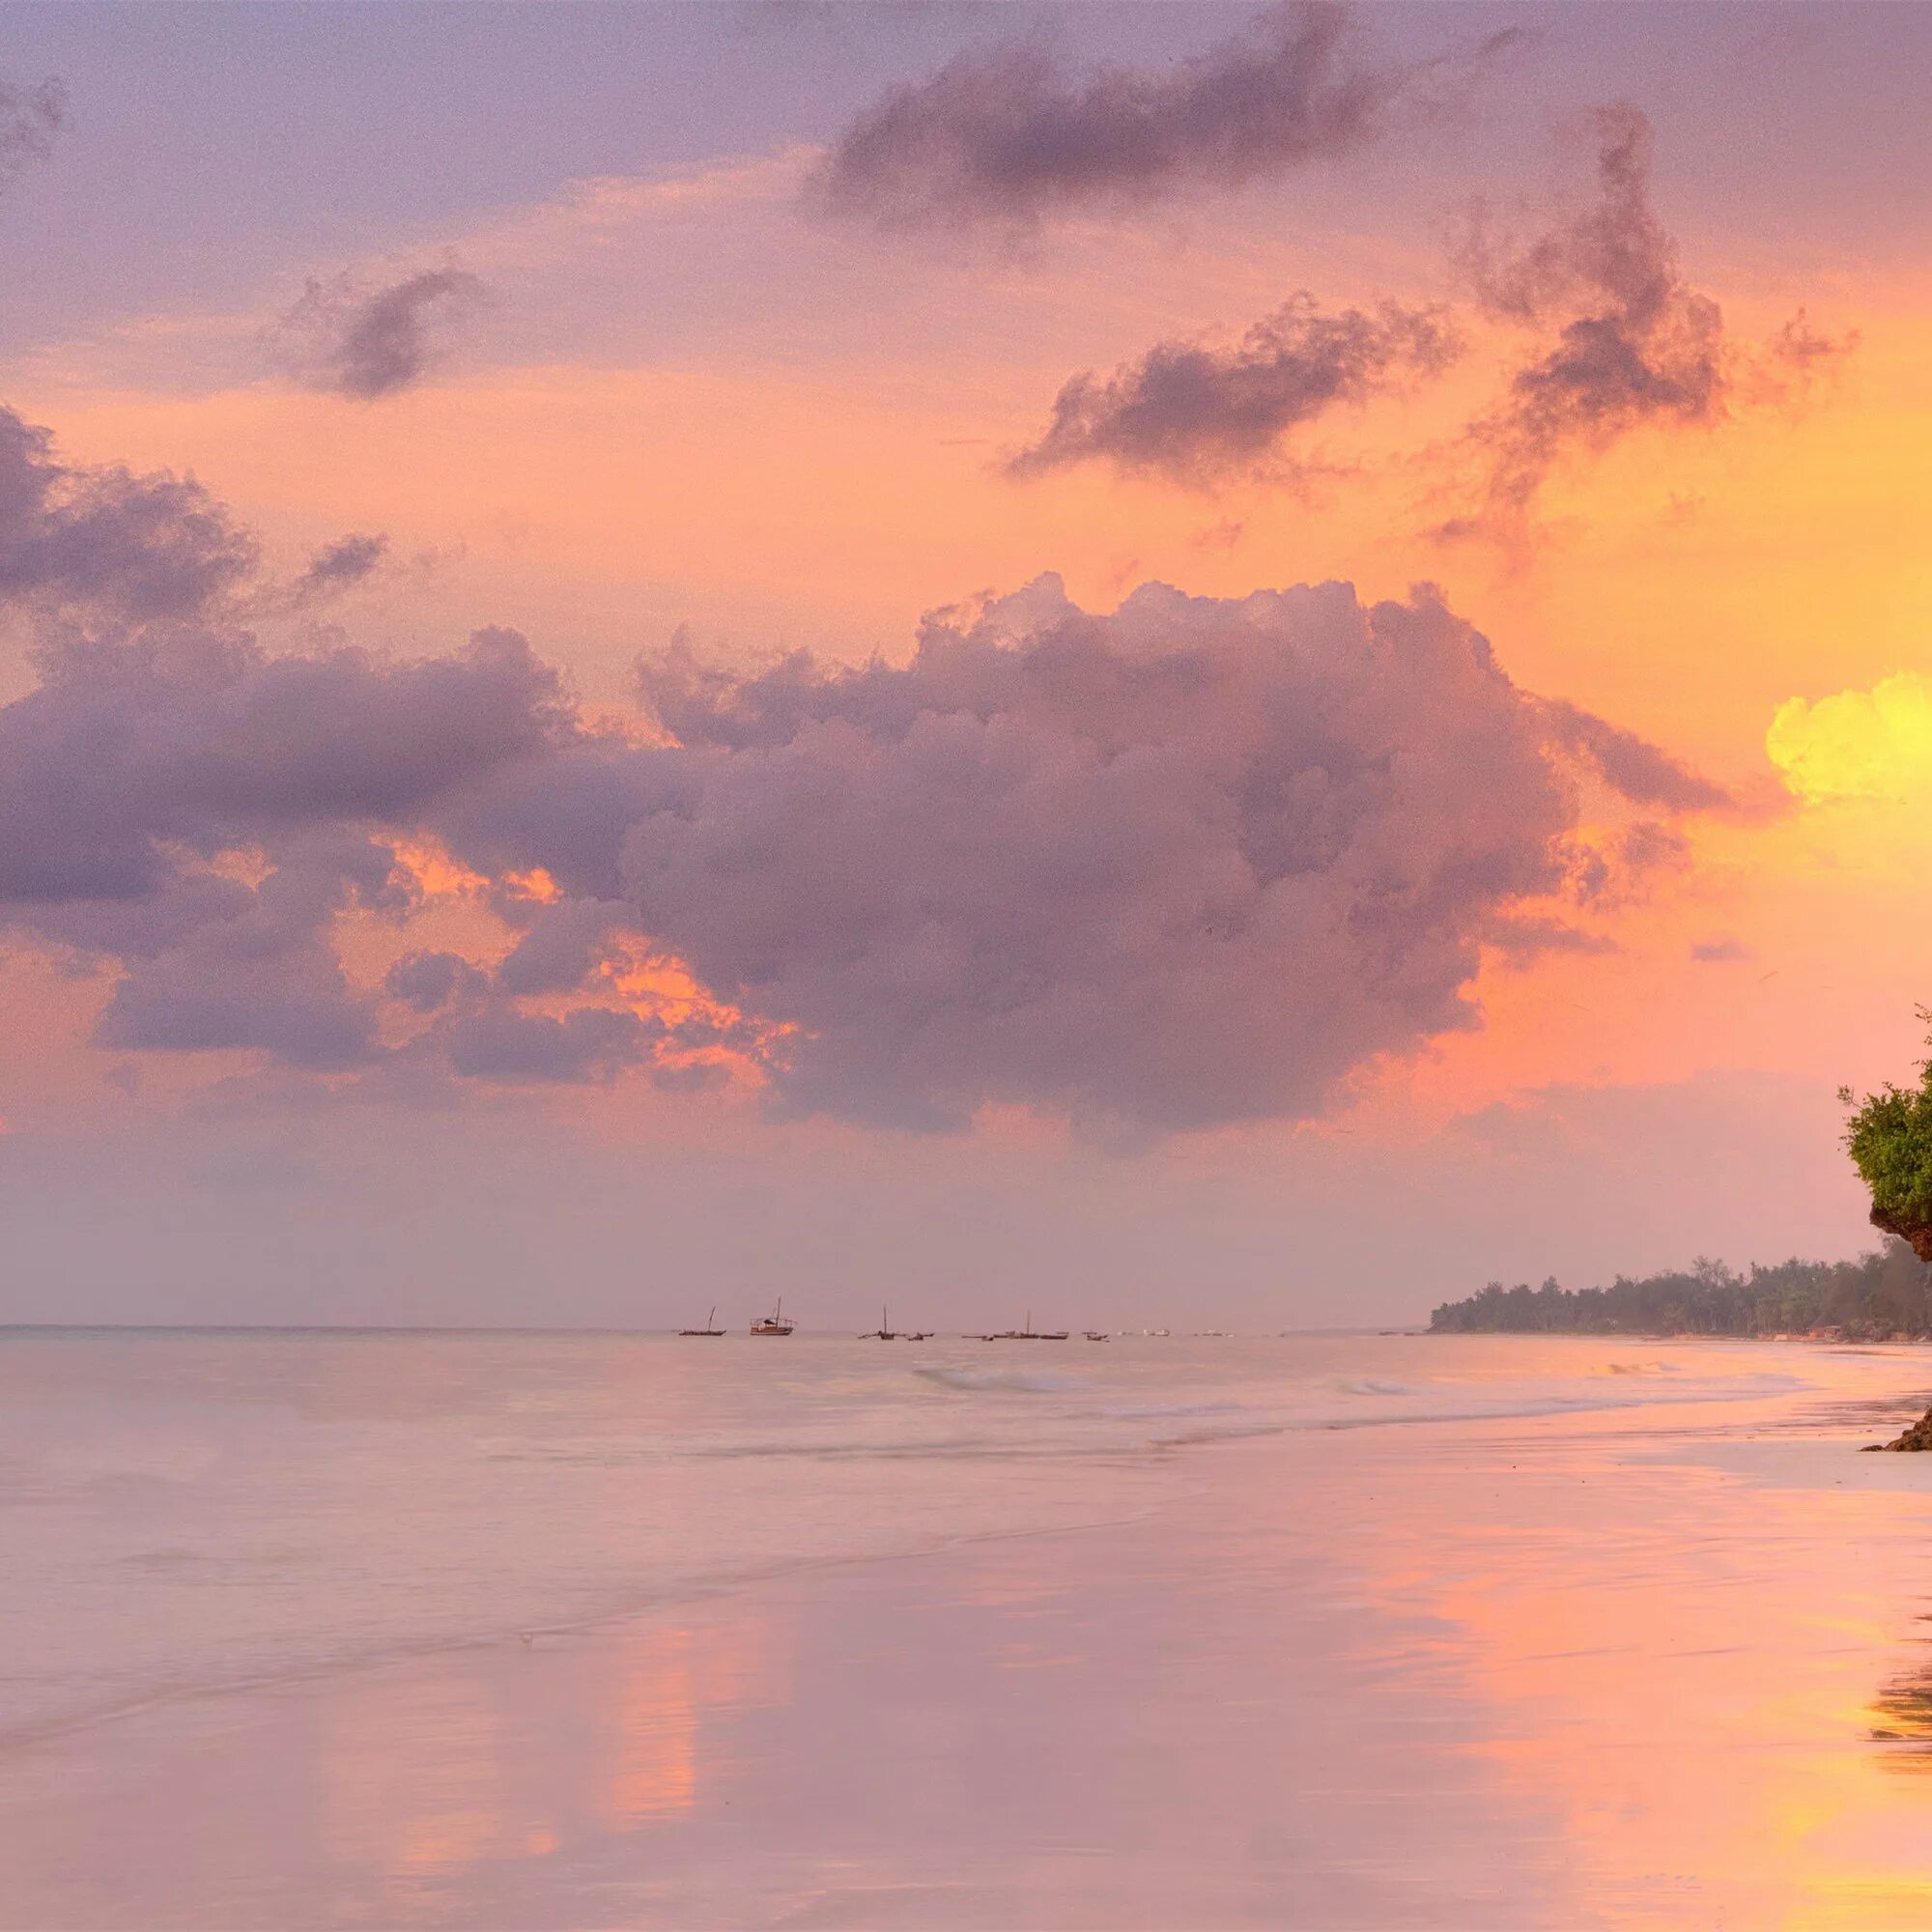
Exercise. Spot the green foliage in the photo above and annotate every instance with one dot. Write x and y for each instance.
(1881, 1294)
(1890, 1139)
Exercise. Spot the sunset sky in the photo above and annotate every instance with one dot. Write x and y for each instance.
(1181, 665)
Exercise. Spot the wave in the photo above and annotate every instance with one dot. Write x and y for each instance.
(1161, 1411)
(1010, 1381)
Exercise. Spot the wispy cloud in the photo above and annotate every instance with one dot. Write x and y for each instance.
(29, 117)
(1193, 414)
(1005, 135)
(1626, 340)
(364, 343)
(338, 567)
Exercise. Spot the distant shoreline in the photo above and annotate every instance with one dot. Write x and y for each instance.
(1808, 1338)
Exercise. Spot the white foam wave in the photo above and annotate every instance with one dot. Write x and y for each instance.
(1007, 1382)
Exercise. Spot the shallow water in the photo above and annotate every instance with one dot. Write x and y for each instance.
(189, 1510)
(562, 1630)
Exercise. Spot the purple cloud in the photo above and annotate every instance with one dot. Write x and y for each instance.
(364, 344)
(1186, 865)
(337, 567)
(105, 543)
(499, 1042)
(429, 981)
(139, 768)
(1634, 342)
(1004, 134)
(1193, 414)
(1630, 765)
(265, 976)
(29, 117)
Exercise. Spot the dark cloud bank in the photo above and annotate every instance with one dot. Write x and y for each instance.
(1185, 864)
(1004, 134)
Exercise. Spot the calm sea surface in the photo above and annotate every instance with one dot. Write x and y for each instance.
(186, 1511)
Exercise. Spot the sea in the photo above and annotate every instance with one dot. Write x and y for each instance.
(188, 1513)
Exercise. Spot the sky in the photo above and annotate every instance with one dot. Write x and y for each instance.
(1185, 665)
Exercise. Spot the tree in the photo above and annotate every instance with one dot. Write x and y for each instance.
(1890, 1139)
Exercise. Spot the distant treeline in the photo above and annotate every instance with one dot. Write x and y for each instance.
(1886, 1294)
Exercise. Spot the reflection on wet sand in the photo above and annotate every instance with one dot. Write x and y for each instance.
(1676, 1660)
(411, 1775)
(1577, 1671)
(431, 1774)
(1901, 1717)
(670, 1680)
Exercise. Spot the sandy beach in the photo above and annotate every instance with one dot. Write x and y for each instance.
(1613, 1666)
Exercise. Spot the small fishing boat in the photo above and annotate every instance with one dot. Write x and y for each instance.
(885, 1331)
(1027, 1334)
(773, 1324)
(1095, 1335)
(710, 1327)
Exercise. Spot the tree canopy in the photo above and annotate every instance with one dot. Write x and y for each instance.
(1880, 1295)
(1889, 1139)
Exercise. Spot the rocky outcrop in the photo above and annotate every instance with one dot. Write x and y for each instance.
(1916, 1235)
(1917, 1436)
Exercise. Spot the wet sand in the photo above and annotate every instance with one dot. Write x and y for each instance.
(1607, 1671)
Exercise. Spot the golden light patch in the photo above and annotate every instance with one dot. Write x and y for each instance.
(662, 986)
(1858, 744)
(436, 874)
(535, 884)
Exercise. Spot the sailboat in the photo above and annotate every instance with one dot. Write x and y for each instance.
(710, 1327)
(883, 1332)
(1027, 1334)
(773, 1324)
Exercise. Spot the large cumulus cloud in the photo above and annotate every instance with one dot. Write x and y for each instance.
(1184, 864)
(1187, 864)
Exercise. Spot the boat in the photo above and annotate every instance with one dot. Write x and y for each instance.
(710, 1327)
(1027, 1334)
(1094, 1335)
(883, 1332)
(773, 1324)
